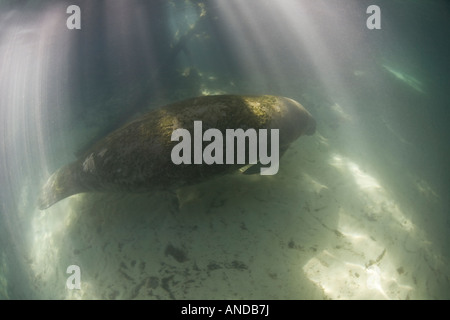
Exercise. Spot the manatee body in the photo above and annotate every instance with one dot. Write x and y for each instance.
(137, 156)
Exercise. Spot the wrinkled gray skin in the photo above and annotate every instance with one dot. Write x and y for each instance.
(137, 156)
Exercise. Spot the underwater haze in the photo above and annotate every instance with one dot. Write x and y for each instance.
(358, 210)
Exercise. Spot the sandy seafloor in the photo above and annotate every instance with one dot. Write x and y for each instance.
(345, 218)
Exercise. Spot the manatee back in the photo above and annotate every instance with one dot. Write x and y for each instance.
(137, 156)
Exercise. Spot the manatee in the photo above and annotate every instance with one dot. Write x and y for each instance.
(137, 156)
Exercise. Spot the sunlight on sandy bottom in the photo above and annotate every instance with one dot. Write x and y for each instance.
(372, 248)
(367, 261)
(49, 229)
(360, 268)
(378, 200)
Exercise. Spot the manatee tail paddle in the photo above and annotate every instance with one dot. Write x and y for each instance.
(60, 185)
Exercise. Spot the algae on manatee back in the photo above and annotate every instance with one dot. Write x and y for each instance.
(137, 156)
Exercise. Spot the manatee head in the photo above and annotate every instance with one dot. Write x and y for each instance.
(296, 120)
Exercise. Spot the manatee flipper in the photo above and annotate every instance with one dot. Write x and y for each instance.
(60, 185)
(256, 168)
(251, 169)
